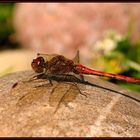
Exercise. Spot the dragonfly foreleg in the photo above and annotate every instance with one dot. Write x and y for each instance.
(78, 89)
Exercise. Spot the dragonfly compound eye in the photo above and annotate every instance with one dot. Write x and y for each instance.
(38, 64)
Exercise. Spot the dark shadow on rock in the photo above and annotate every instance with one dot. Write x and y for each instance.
(72, 78)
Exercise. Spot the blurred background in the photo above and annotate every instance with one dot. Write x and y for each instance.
(107, 35)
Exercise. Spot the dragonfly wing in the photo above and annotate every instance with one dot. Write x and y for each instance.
(47, 56)
(50, 56)
(76, 59)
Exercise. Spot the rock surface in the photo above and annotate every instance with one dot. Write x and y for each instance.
(27, 110)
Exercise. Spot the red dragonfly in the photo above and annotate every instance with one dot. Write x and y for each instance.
(58, 68)
(58, 64)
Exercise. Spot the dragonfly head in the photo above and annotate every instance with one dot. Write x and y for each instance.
(38, 64)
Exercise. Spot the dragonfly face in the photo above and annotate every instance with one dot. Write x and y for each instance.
(38, 64)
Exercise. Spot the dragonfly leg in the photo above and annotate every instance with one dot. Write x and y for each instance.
(40, 76)
(31, 79)
(16, 83)
(50, 82)
(78, 89)
(80, 78)
(74, 79)
(35, 77)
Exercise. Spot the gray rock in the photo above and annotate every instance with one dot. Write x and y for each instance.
(60, 109)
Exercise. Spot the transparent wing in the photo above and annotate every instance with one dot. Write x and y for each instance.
(76, 59)
(47, 56)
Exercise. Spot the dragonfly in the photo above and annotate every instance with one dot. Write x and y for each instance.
(58, 64)
(61, 92)
(59, 68)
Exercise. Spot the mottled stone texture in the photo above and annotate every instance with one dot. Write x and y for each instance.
(27, 110)
(64, 27)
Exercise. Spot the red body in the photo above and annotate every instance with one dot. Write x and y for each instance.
(84, 70)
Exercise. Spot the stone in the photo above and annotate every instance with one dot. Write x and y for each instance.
(29, 109)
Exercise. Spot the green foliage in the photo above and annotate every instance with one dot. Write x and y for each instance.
(127, 55)
(6, 26)
(117, 54)
(131, 51)
(6, 71)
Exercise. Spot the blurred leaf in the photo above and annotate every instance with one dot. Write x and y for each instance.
(7, 70)
(123, 59)
(6, 26)
(130, 86)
